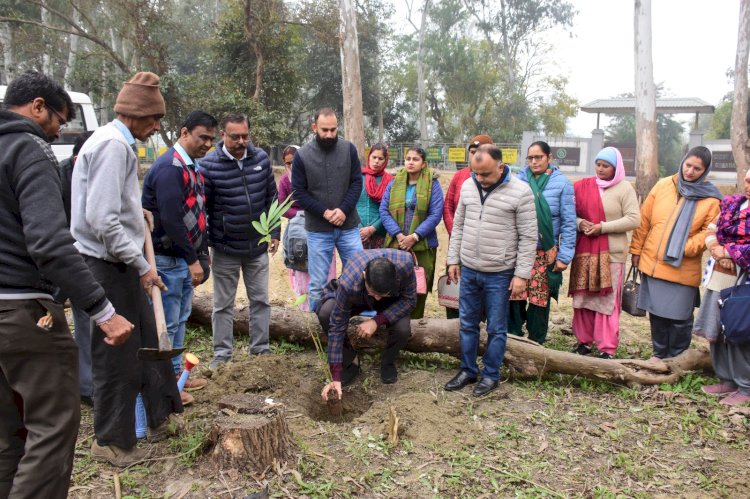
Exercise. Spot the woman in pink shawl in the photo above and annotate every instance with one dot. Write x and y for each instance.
(607, 208)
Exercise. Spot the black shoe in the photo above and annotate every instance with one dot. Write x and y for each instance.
(87, 400)
(484, 387)
(349, 374)
(582, 349)
(459, 381)
(388, 374)
(262, 352)
(605, 355)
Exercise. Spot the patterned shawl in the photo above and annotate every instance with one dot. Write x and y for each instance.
(733, 230)
(397, 205)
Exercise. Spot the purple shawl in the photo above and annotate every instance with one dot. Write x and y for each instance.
(733, 230)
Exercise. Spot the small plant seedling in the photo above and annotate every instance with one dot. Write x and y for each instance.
(272, 220)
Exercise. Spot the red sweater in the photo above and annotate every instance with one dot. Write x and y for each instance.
(452, 197)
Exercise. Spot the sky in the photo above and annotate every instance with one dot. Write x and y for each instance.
(694, 44)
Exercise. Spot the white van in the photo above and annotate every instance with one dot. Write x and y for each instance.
(85, 120)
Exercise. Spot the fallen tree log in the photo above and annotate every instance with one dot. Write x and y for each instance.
(525, 358)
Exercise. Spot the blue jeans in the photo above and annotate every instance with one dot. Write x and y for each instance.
(484, 291)
(320, 251)
(178, 300)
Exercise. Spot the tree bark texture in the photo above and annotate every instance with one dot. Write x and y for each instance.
(351, 81)
(646, 143)
(6, 40)
(524, 357)
(250, 434)
(738, 134)
(421, 97)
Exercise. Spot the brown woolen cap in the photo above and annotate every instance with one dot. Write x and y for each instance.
(140, 97)
(479, 140)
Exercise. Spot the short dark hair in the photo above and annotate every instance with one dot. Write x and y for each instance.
(80, 140)
(381, 276)
(546, 149)
(324, 111)
(32, 84)
(199, 118)
(233, 118)
(701, 152)
(495, 152)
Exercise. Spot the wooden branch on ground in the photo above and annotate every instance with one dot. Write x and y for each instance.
(524, 357)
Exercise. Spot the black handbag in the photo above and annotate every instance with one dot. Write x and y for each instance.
(733, 312)
(630, 294)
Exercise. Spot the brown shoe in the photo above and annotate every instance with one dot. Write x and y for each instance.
(173, 425)
(193, 384)
(116, 456)
(186, 398)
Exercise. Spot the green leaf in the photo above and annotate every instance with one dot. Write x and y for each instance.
(258, 227)
(300, 300)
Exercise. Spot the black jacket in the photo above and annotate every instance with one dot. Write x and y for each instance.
(36, 248)
(234, 198)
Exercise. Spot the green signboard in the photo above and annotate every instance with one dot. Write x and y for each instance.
(434, 153)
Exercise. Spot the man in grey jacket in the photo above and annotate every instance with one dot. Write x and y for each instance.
(39, 404)
(494, 241)
(107, 223)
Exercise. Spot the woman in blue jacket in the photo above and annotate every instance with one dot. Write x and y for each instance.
(556, 219)
(411, 209)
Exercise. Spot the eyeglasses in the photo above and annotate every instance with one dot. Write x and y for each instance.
(536, 157)
(62, 122)
(239, 136)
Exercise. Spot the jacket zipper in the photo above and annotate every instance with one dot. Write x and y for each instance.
(249, 204)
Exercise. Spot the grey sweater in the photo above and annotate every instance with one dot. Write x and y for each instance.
(325, 180)
(106, 214)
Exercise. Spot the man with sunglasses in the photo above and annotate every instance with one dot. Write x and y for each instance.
(39, 393)
(380, 281)
(239, 187)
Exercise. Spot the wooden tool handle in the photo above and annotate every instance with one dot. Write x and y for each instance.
(161, 322)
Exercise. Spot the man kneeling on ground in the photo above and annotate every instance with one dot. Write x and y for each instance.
(379, 280)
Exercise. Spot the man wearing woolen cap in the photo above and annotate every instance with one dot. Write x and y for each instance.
(107, 223)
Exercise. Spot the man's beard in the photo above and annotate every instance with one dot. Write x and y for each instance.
(326, 144)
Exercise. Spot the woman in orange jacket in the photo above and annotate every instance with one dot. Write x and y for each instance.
(667, 249)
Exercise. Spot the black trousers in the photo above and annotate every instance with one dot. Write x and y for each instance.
(118, 375)
(669, 337)
(40, 408)
(398, 336)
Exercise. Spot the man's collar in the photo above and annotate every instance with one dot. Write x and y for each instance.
(125, 131)
(183, 154)
(230, 155)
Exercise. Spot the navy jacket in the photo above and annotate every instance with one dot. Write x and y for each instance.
(235, 197)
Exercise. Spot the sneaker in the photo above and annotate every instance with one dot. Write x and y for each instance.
(116, 456)
(582, 349)
(605, 355)
(735, 398)
(186, 399)
(193, 384)
(719, 389)
(173, 425)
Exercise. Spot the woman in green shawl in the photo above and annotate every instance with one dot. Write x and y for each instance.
(556, 219)
(411, 209)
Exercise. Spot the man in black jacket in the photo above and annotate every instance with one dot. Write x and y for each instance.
(239, 187)
(39, 397)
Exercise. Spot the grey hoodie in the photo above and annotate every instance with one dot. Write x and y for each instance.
(37, 256)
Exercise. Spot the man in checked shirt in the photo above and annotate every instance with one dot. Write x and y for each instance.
(382, 281)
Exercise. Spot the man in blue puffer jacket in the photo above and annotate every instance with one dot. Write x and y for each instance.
(554, 200)
(239, 187)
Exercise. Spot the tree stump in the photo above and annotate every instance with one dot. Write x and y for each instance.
(250, 434)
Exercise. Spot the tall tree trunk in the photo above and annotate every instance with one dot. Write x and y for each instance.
(72, 53)
(46, 60)
(251, 18)
(738, 134)
(381, 125)
(421, 97)
(6, 40)
(646, 143)
(351, 81)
